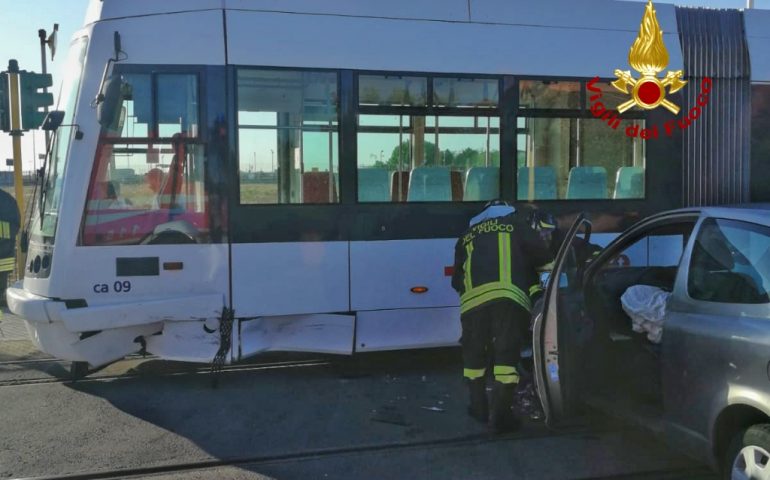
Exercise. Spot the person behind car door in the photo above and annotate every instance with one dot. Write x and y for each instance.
(494, 274)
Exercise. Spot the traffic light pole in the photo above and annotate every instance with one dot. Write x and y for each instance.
(16, 133)
(43, 42)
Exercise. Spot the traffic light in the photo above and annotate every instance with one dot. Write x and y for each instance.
(32, 100)
(5, 107)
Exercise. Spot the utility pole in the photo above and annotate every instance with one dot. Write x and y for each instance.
(50, 42)
(20, 104)
(43, 37)
(16, 133)
(749, 4)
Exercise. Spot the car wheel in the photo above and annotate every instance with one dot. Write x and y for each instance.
(748, 457)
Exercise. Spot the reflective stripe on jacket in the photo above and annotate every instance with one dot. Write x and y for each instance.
(496, 260)
(7, 264)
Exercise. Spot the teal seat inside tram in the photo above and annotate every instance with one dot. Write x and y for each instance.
(543, 182)
(587, 183)
(629, 183)
(373, 185)
(430, 184)
(482, 183)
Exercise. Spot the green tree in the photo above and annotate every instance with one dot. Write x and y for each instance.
(468, 157)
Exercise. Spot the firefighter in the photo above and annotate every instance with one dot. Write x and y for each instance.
(495, 275)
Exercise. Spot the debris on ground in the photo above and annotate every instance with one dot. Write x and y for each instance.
(433, 409)
(526, 402)
(389, 414)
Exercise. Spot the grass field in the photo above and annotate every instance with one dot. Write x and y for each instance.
(259, 193)
(140, 195)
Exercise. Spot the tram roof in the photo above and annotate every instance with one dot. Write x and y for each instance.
(590, 14)
(602, 30)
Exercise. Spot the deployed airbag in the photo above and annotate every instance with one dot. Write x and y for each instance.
(646, 305)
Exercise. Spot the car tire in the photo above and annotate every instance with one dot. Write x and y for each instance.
(748, 456)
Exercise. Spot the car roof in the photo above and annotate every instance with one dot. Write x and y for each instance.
(748, 212)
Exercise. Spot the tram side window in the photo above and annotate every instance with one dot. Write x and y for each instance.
(177, 105)
(549, 94)
(288, 124)
(148, 182)
(565, 153)
(407, 153)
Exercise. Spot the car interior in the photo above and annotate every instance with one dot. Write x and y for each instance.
(619, 368)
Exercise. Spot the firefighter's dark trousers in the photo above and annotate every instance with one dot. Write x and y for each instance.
(494, 332)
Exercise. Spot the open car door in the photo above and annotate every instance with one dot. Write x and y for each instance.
(549, 344)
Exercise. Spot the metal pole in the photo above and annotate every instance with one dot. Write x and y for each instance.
(436, 147)
(489, 133)
(43, 42)
(331, 163)
(749, 3)
(400, 155)
(16, 133)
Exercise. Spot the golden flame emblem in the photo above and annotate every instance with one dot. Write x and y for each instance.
(649, 57)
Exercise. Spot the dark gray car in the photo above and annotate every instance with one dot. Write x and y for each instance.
(705, 387)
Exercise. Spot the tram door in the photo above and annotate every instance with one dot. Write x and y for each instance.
(289, 262)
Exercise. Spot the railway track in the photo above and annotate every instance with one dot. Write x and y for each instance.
(211, 466)
(202, 370)
(51, 370)
(385, 448)
(40, 361)
(670, 474)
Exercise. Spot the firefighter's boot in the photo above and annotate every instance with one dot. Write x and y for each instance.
(478, 407)
(502, 418)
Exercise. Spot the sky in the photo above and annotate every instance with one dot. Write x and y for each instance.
(21, 20)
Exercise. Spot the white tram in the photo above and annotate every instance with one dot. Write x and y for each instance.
(254, 176)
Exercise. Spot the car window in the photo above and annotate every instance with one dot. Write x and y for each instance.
(660, 247)
(730, 263)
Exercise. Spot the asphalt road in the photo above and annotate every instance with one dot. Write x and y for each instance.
(397, 416)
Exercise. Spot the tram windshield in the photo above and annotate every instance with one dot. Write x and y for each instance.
(45, 225)
(148, 182)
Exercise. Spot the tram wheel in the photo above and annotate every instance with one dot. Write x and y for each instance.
(79, 370)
